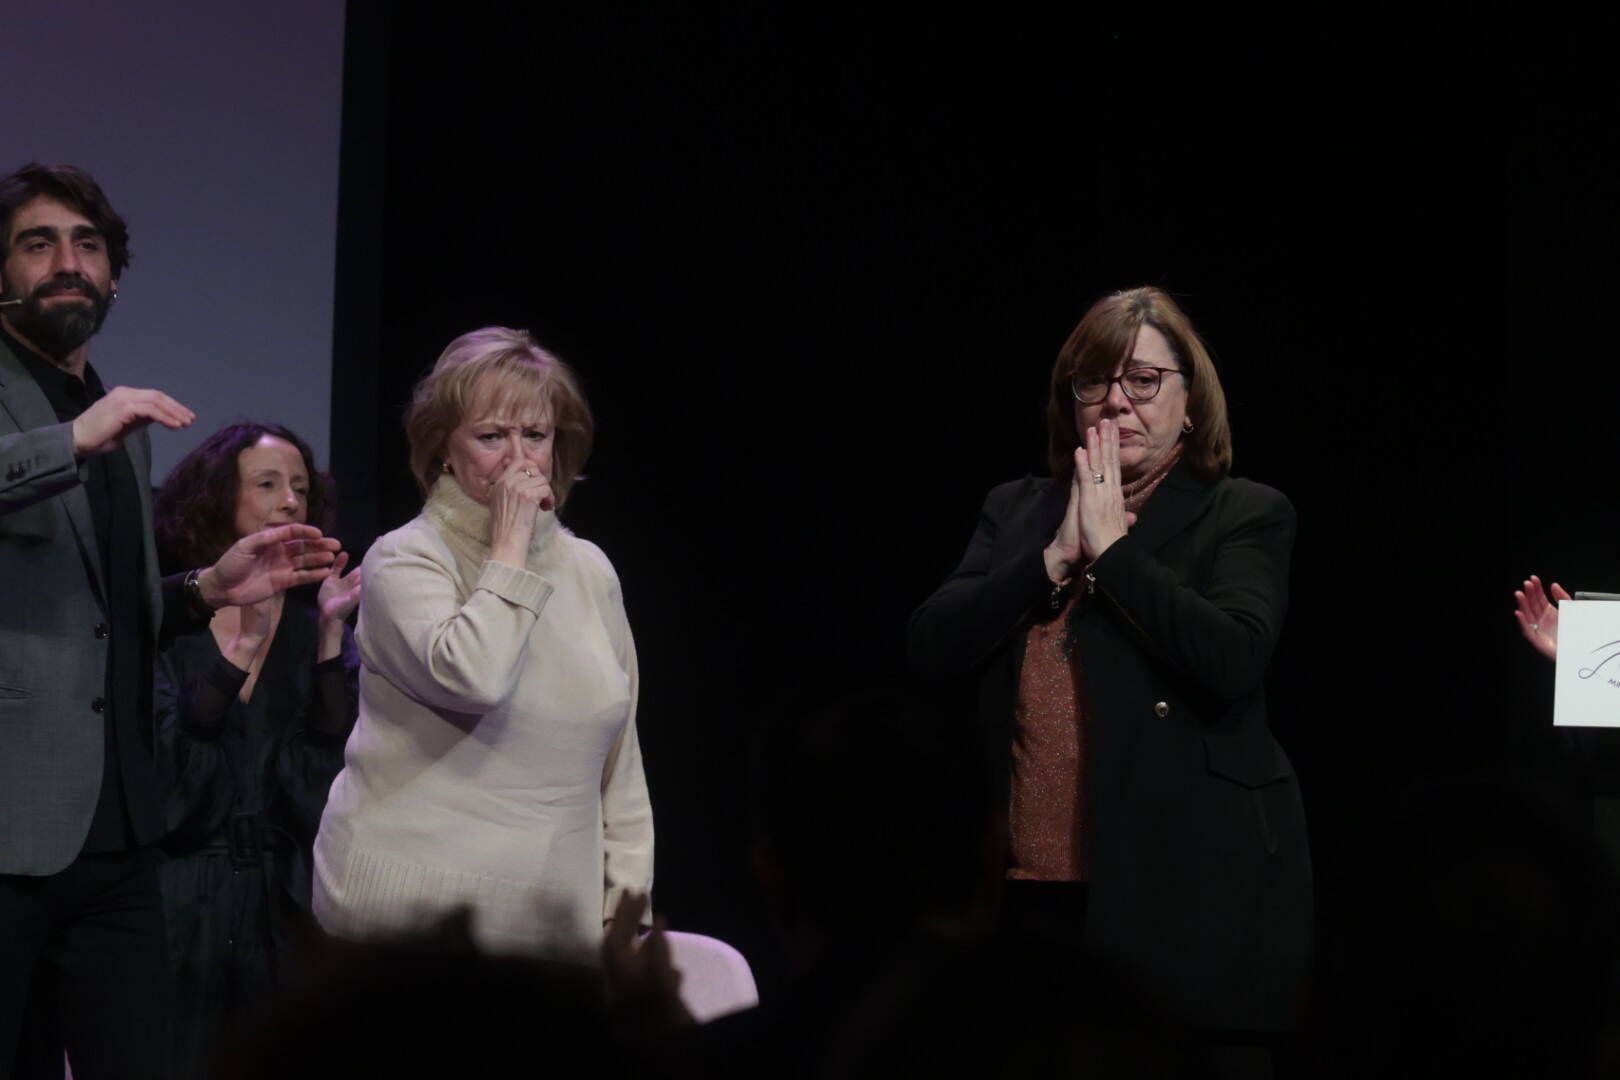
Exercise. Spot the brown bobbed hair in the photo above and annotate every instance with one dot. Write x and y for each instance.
(497, 372)
(1105, 337)
(194, 512)
(74, 188)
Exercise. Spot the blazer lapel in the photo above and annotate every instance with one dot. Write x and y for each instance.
(29, 409)
(1180, 499)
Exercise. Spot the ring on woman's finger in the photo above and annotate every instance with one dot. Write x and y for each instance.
(1535, 626)
(529, 473)
(1097, 478)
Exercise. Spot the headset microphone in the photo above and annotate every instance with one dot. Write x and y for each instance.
(10, 303)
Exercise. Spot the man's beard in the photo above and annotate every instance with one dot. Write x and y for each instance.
(57, 329)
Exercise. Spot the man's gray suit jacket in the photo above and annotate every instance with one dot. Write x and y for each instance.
(53, 662)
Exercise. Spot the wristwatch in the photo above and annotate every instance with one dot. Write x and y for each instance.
(192, 585)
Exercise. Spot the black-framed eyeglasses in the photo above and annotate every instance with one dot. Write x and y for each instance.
(1137, 383)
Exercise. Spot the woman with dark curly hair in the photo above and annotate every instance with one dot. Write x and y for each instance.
(253, 711)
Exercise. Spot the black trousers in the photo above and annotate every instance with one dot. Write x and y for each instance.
(1052, 911)
(89, 940)
(1055, 911)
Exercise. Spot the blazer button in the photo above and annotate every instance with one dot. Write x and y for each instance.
(1161, 709)
(99, 705)
(102, 629)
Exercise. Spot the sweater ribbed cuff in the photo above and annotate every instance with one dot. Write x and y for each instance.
(515, 585)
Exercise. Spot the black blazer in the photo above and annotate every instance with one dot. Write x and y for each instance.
(1200, 871)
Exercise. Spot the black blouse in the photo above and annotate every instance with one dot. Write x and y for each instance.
(245, 783)
(240, 776)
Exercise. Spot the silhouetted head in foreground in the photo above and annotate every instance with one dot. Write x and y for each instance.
(429, 1006)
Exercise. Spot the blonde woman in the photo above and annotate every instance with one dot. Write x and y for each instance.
(495, 765)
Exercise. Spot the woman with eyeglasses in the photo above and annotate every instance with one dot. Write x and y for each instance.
(1118, 619)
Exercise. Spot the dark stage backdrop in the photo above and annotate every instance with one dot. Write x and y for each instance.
(814, 274)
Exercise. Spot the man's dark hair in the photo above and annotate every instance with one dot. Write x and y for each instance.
(73, 187)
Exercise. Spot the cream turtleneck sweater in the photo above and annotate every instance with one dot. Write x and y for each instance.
(495, 763)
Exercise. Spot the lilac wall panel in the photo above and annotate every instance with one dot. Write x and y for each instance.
(214, 130)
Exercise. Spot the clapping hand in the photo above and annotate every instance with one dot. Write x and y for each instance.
(1096, 515)
(339, 594)
(256, 622)
(1538, 616)
(254, 625)
(336, 601)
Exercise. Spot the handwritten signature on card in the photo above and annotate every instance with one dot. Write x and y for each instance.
(1614, 652)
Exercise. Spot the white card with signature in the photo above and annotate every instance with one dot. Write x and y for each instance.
(1586, 689)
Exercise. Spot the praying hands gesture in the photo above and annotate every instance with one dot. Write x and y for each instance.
(1096, 516)
(1538, 616)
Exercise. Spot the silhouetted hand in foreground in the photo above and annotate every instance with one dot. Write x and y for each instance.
(643, 985)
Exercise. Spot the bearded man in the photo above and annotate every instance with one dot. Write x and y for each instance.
(82, 612)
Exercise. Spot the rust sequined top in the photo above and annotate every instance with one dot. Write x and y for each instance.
(1046, 814)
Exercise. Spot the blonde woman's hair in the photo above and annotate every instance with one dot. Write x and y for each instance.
(498, 372)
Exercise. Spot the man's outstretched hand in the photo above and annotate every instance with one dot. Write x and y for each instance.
(268, 562)
(123, 411)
